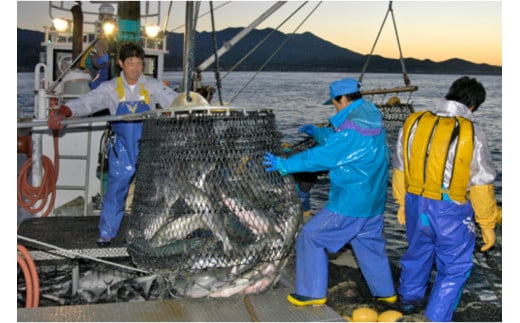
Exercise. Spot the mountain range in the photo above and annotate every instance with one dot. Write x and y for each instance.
(300, 52)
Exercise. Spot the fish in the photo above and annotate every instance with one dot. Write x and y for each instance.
(145, 225)
(200, 284)
(253, 218)
(208, 260)
(177, 229)
(199, 202)
(211, 243)
(253, 281)
(179, 248)
(167, 193)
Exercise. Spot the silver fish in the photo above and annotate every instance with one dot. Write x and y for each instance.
(199, 202)
(170, 194)
(253, 218)
(177, 229)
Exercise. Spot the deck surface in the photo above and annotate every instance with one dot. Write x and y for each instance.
(78, 234)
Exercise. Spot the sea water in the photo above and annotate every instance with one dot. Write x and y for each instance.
(297, 98)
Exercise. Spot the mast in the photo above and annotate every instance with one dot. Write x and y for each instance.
(188, 48)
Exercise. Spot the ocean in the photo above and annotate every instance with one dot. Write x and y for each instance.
(297, 98)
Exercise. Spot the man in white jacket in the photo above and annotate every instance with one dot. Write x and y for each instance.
(131, 92)
(443, 180)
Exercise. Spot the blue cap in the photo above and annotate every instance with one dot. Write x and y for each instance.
(342, 87)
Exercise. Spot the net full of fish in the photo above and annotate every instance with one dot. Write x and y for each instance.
(206, 216)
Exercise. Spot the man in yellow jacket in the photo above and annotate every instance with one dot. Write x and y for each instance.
(443, 181)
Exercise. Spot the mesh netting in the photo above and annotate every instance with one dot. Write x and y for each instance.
(396, 112)
(205, 211)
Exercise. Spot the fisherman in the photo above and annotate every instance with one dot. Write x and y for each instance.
(443, 179)
(100, 62)
(131, 92)
(355, 153)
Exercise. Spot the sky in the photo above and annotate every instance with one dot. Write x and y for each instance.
(435, 30)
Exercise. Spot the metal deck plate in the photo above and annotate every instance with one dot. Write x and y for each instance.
(270, 306)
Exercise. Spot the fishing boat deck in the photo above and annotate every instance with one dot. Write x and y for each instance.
(78, 234)
(269, 306)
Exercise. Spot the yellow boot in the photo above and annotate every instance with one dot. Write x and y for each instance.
(300, 300)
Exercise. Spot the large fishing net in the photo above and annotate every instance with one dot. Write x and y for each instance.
(395, 111)
(206, 215)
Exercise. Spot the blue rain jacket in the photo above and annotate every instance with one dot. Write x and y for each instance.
(357, 156)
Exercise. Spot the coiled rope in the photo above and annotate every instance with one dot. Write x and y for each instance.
(32, 283)
(29, 195)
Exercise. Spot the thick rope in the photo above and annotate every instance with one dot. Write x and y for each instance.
(31, 277)
(29, 195)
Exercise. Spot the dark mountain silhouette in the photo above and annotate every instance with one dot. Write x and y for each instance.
(300, 52)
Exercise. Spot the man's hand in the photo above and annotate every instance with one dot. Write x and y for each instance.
(489, 237)
(270, 162)
(309, 129)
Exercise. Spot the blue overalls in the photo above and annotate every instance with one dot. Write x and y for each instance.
(122, 159)
(440, 233)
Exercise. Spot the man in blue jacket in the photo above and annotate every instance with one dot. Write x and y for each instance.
(356, 154)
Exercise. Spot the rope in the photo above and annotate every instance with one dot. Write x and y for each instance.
(73, 253)
(217, 67)
(32, 289)
(29, 195)
(200, 16)
(405, 76)
(250, 309)
(274, 54)
(262, 41)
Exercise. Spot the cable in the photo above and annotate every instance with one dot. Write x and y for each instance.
(274, 53)
(32, 282)
(29, 195)
(71, 254)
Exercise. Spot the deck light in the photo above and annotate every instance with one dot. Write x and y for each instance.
(152, 30)
(60, 24)
(108, 28)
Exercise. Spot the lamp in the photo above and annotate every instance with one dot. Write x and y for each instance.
(60, 24)
(151, 30)
(108, 28)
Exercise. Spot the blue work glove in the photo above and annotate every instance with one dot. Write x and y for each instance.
(270, 162)
(309, 129)
(102, 60)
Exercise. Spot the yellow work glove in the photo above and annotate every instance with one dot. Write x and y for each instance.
(487, 213)
(488, 236)
(401, 216)
(398, 192)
